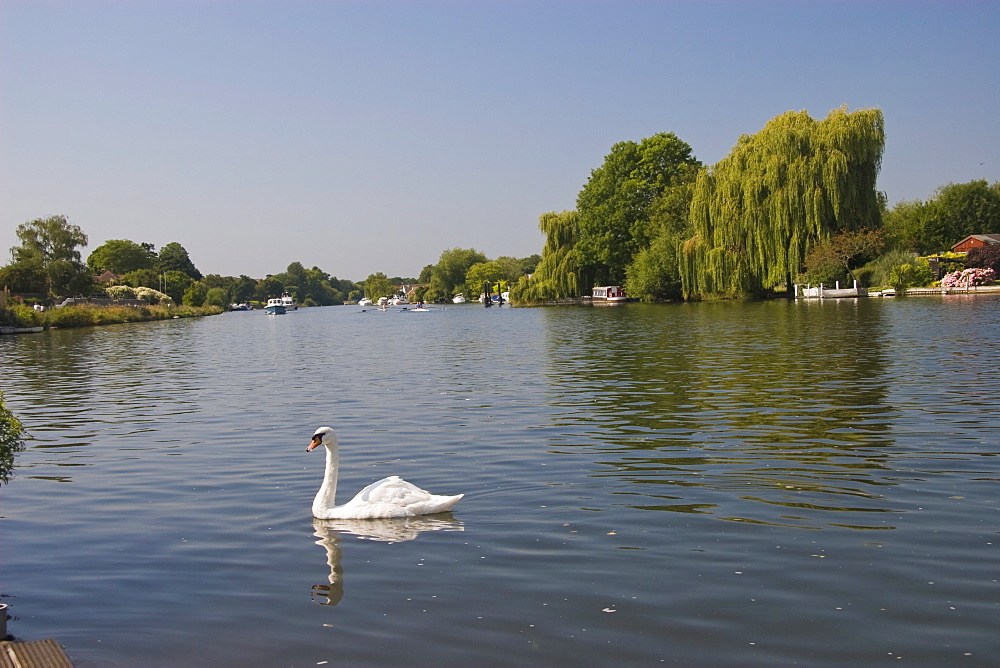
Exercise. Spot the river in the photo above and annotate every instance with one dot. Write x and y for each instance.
(714, 484)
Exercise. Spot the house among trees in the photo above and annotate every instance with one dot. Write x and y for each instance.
(976, 241)
(105, 278)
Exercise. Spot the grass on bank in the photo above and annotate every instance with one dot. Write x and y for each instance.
(87, 315)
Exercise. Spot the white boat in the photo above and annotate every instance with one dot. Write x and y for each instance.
(458, 299)
(610, 294)
(288, 302)
(239, 307)
(397, 300)
(275, 306)
(364, 301)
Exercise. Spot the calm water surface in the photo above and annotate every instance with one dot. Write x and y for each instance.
(706, 484)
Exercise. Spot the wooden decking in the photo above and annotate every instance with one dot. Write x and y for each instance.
(45, 653)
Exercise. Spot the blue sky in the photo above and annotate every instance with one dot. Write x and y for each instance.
(371, 136)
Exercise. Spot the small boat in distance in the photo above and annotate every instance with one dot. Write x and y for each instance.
(288, 302)
(458, 299)
(364, 301)
(275, 306)
(609, 294)
(240, 307)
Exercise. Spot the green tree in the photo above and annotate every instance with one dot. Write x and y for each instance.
(482, 273)
(174, 284)
(51, 246)
(654, 272)
(757, 212)
(378, 285)
(905, 226)
(558, 272)
(615, 205)
(955, 211)
(120, 256)
(216, 297)
(11, 441)
(448, 275)
(242, 289)
(23, 277)
(653, 275)
(195, 294)
(270, 287)
(838, 257)
(173, 257)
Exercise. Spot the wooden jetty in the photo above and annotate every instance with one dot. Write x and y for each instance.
(45, 653)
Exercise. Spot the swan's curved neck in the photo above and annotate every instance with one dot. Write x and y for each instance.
(328, 490)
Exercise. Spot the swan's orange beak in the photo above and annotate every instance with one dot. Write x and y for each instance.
(317, 440)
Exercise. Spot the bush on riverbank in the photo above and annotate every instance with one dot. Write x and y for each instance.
(86, 315)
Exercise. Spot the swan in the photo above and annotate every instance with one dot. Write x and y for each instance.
(389, 497)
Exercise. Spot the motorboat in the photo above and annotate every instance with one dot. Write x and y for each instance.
(275, 306)
(458, 299)
(364, 301)
(288, 302)
(240, 307)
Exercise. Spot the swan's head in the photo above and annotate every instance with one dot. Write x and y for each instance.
(323, 436)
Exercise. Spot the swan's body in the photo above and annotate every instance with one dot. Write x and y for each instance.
(389, 497)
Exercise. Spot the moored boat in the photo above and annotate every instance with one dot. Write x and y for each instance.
(458, 299)
(288, 302)
(610, 294)
(275, 307)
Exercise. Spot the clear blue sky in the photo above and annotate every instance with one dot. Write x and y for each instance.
(371, 136)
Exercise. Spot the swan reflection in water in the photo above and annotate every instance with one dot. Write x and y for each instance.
(394, 530)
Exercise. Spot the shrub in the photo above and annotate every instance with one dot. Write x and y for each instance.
(961, 279)
(11, 441)
(120, 292)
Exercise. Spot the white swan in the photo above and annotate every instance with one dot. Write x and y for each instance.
(389, 497)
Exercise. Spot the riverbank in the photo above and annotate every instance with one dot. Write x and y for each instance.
(18, 318)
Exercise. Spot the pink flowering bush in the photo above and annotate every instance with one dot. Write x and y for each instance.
(960, 279)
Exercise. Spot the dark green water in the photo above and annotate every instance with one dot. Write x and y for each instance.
(706, 484)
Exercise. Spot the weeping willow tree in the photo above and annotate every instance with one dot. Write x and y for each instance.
(558, 273)
(757, 212)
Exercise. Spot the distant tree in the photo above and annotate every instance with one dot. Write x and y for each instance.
(216, 297)
(50, 246)
(295, 275)
(194, 294)
(173, 257)
(143, 278)
(527, 264)
(268, 288)
(175, 283)
(425, 274)
(378, 285)
(481, 273)
(120, 256)
(242, 289)
(23, 277)
(448, 275)
(954, 212)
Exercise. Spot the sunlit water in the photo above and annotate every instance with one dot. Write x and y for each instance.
(705, 484)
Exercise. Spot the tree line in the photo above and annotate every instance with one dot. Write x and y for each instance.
(48, 264)
(795, 202)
